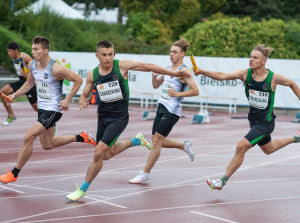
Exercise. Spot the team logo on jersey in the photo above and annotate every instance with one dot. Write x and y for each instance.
(101, 87)
(116, 77)
(265, 87)
(46, 76)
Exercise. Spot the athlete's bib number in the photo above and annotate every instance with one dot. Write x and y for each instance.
(18, 69)
(165, 88)
(43, 90)
(258, 99)
(110, 91)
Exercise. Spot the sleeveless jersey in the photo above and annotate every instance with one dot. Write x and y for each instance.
(49, 90)
(173, 104)
(19, 65)
(113, 92)
(261, 98)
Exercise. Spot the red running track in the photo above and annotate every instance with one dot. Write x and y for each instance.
(264, 189)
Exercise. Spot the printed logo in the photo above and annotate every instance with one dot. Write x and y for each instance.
(265, 87)
(252, 92)
(116, 77)
(101, 86)
(46, 76)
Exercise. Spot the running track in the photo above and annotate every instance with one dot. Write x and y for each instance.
(265, 189)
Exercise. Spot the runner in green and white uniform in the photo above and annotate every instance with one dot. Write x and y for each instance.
(260, 85)
(111, 78)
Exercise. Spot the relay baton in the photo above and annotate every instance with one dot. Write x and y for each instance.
(6, 97)
(193, 62)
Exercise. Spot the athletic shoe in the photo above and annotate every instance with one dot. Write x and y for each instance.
(76, 195)
(88, 138)
(140, 178)
(188, 150)
(215, 184)
(297, 137)
(7, 178)
(9, 120)
(144, 142)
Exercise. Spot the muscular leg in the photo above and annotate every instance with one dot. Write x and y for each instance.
(157, 141)
(7, 89)
(97, 162)
(242, 147)
(116, 149)
(171, 143)
(276, 144)
(48, 140)
(27, 148)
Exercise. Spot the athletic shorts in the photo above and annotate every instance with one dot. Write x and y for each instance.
(31, 94)
(109, 129)
(164, 121)
(48, 118)
(260, 133)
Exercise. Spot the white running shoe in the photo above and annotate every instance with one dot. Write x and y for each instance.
(215, 184)
(140, 178)
(9, 120)
(188, 150)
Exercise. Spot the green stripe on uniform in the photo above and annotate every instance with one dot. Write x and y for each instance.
(254, 141)
(113, 142)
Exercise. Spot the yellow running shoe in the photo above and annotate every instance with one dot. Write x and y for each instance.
(76, 195)
(88, 138)
(144, 142)
(7, 178)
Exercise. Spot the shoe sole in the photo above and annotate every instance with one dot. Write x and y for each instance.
(211, 185)
(137, 182)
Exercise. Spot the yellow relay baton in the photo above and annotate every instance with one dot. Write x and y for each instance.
(193, 62)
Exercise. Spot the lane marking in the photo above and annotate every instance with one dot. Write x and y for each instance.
(214, 217)
(7, 188)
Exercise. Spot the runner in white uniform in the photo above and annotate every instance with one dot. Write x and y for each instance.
(48, 77)
(169, 109)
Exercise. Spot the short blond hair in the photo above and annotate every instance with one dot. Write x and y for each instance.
(265, 50)
(182, 44)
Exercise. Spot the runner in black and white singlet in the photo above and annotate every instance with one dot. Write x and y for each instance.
(48, 76)
(260, 84)
(21, 61)
(111, 78)
(169, 109)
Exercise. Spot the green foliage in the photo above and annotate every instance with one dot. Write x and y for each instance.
(235, 37)
(6, 37)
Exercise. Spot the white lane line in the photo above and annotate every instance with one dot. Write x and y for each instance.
(7, 188)
(152, 210)
(214, 217)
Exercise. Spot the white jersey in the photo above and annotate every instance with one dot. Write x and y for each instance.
(49, 90)
(173, 104)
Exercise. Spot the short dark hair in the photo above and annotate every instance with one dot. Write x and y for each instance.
(41, 40)
(12, 46)
(104, 44)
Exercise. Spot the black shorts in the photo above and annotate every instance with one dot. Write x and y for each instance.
(164, 121)
(31, 94)
(48, 118)
(109, 129)
(260, 133)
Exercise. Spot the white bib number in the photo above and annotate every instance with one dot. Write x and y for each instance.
(18, 69)
(43, 90)
(258, 99)
(165, 88)
(110, 91)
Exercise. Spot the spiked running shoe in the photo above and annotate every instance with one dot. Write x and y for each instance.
(76, 195)
(297, 137)
(144, 142)
(7, 178)
(88, 138)
(215, 184)
(188, 150)
(140, 178)
(9, 121)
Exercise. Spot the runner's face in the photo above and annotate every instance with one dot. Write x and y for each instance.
(38, 52)
(12, 53)
(105, 56)
(176, 54)
(257, 59)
